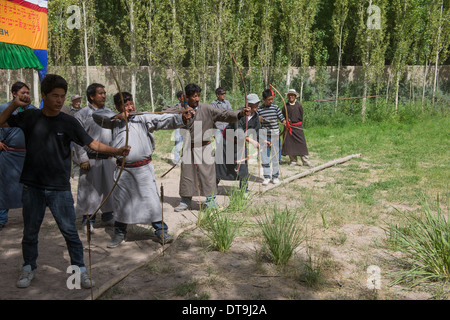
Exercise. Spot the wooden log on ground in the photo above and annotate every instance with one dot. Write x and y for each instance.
(313, 170)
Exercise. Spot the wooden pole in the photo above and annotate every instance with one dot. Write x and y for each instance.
(313, 170)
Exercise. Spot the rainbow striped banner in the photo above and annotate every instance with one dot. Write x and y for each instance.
(23, 34)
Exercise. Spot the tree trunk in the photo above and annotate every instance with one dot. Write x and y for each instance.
(424, 83)
(218, 66)
(387, 87)
(218, 47)
(133, 51)
(338, 69)
(397, 86)
(150, 81)
(364, 100)
(150, 84)
(86, 56)
(437, 55)
(288, 77)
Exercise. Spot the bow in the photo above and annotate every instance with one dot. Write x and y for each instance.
(246, 105)
(112, 188)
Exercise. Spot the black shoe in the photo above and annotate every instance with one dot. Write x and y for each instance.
(167, 238)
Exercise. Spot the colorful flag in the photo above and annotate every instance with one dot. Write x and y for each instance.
(23, 35)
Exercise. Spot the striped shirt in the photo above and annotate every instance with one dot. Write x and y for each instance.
(271, 113)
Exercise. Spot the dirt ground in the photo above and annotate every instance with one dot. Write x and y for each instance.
(188, 268)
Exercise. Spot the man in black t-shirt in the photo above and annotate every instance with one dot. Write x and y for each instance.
(46, 172)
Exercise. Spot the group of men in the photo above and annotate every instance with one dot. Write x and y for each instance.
(37, 147)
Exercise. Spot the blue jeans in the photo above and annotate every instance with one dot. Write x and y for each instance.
(60, 203)
(271, 155)
(3, 216)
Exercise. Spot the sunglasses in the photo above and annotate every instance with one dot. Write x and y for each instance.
(221, 93)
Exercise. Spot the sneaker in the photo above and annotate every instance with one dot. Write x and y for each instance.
(115, 242)
(86, 281)
(181, 207)
(293, 164)
(266, 181)
(25, 277)
(275, 181)
(167, 238)
(307, 164)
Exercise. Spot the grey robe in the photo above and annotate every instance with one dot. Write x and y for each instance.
(94, 184)
(136, 197)
(198, 171)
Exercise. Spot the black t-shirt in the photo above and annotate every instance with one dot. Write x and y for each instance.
(48, 158)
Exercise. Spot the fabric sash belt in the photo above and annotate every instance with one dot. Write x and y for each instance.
(294, 124)
(14, 149)
(135, 164)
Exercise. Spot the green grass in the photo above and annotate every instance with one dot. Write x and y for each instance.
(401, 157)
(405, 156)
(424, 238)
(283, 233)
(222, 228)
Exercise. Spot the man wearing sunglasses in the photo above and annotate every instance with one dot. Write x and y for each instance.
(223, 104)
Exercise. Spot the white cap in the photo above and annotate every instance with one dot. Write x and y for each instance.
(253, 98)
(292, 91)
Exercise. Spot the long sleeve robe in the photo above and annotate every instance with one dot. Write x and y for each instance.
(93, 184)
(227, 165)
(136, 196)
(198, 172)
(295, 143)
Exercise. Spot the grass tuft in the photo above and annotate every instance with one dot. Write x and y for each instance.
(283, 233)
(425, 241)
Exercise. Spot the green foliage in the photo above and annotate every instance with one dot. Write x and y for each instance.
(266, 38)
(425, 240)
(221, 228)
(283, 233)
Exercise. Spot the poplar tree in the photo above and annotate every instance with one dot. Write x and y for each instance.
(371, 43)
(340, 14)
(440, 42)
